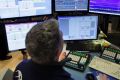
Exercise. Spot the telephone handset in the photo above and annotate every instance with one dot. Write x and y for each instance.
(78, 61)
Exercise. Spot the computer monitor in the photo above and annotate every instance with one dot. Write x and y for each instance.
(78, 27)
(16, 34)
(71, 5)
(105, 6)
(23, 8)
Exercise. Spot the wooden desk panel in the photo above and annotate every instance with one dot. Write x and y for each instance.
(11, 63)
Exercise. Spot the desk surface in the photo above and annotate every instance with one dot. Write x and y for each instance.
(17, 57)
(10, 64)
(77, 75)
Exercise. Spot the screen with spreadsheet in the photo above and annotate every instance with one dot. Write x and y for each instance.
(16, 34)
(105, 6)
(71, 5)
(23, 8)
(78, 27)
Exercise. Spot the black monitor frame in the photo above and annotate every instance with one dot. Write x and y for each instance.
(26, 19)
(84, 44)
(65, 13)
(3, 42)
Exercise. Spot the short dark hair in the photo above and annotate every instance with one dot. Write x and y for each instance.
(43, 41)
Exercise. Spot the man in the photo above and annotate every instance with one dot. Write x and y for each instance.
(44, 44)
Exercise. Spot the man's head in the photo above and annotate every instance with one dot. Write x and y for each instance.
(44, 42)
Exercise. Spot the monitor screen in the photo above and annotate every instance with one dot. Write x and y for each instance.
(23, 8)
(16, 34)
(71, 5)
(105, 6)
(78, 27)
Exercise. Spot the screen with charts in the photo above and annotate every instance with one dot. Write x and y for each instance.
(71, 5)
(78, 27)
(105, 6)
(16, 34)
(23, 8)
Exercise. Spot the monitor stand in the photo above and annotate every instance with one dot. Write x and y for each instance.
(3, 44)
(5, 57)
(4, 52)
(83, 46)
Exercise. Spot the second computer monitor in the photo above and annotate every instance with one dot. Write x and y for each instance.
(78, 27)
(16, 34)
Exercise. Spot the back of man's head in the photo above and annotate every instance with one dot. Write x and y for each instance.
(44, 41)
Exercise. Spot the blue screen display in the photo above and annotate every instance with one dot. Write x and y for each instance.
(71, 5)
(22, 8)
(78, 27)
(105, 6)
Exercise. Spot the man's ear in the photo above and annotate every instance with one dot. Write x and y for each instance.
(62, 56)
(60, 48)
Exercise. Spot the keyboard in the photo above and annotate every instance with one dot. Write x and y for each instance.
(106, 67)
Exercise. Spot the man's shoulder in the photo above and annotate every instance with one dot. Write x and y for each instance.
(23, 63)
(20, 70)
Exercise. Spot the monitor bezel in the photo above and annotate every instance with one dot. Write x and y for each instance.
(77, 40)
(26, 19)
(20, 17)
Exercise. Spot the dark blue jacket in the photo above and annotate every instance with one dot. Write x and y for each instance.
(29, 70)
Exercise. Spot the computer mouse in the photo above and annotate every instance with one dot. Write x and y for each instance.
(90, 76)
